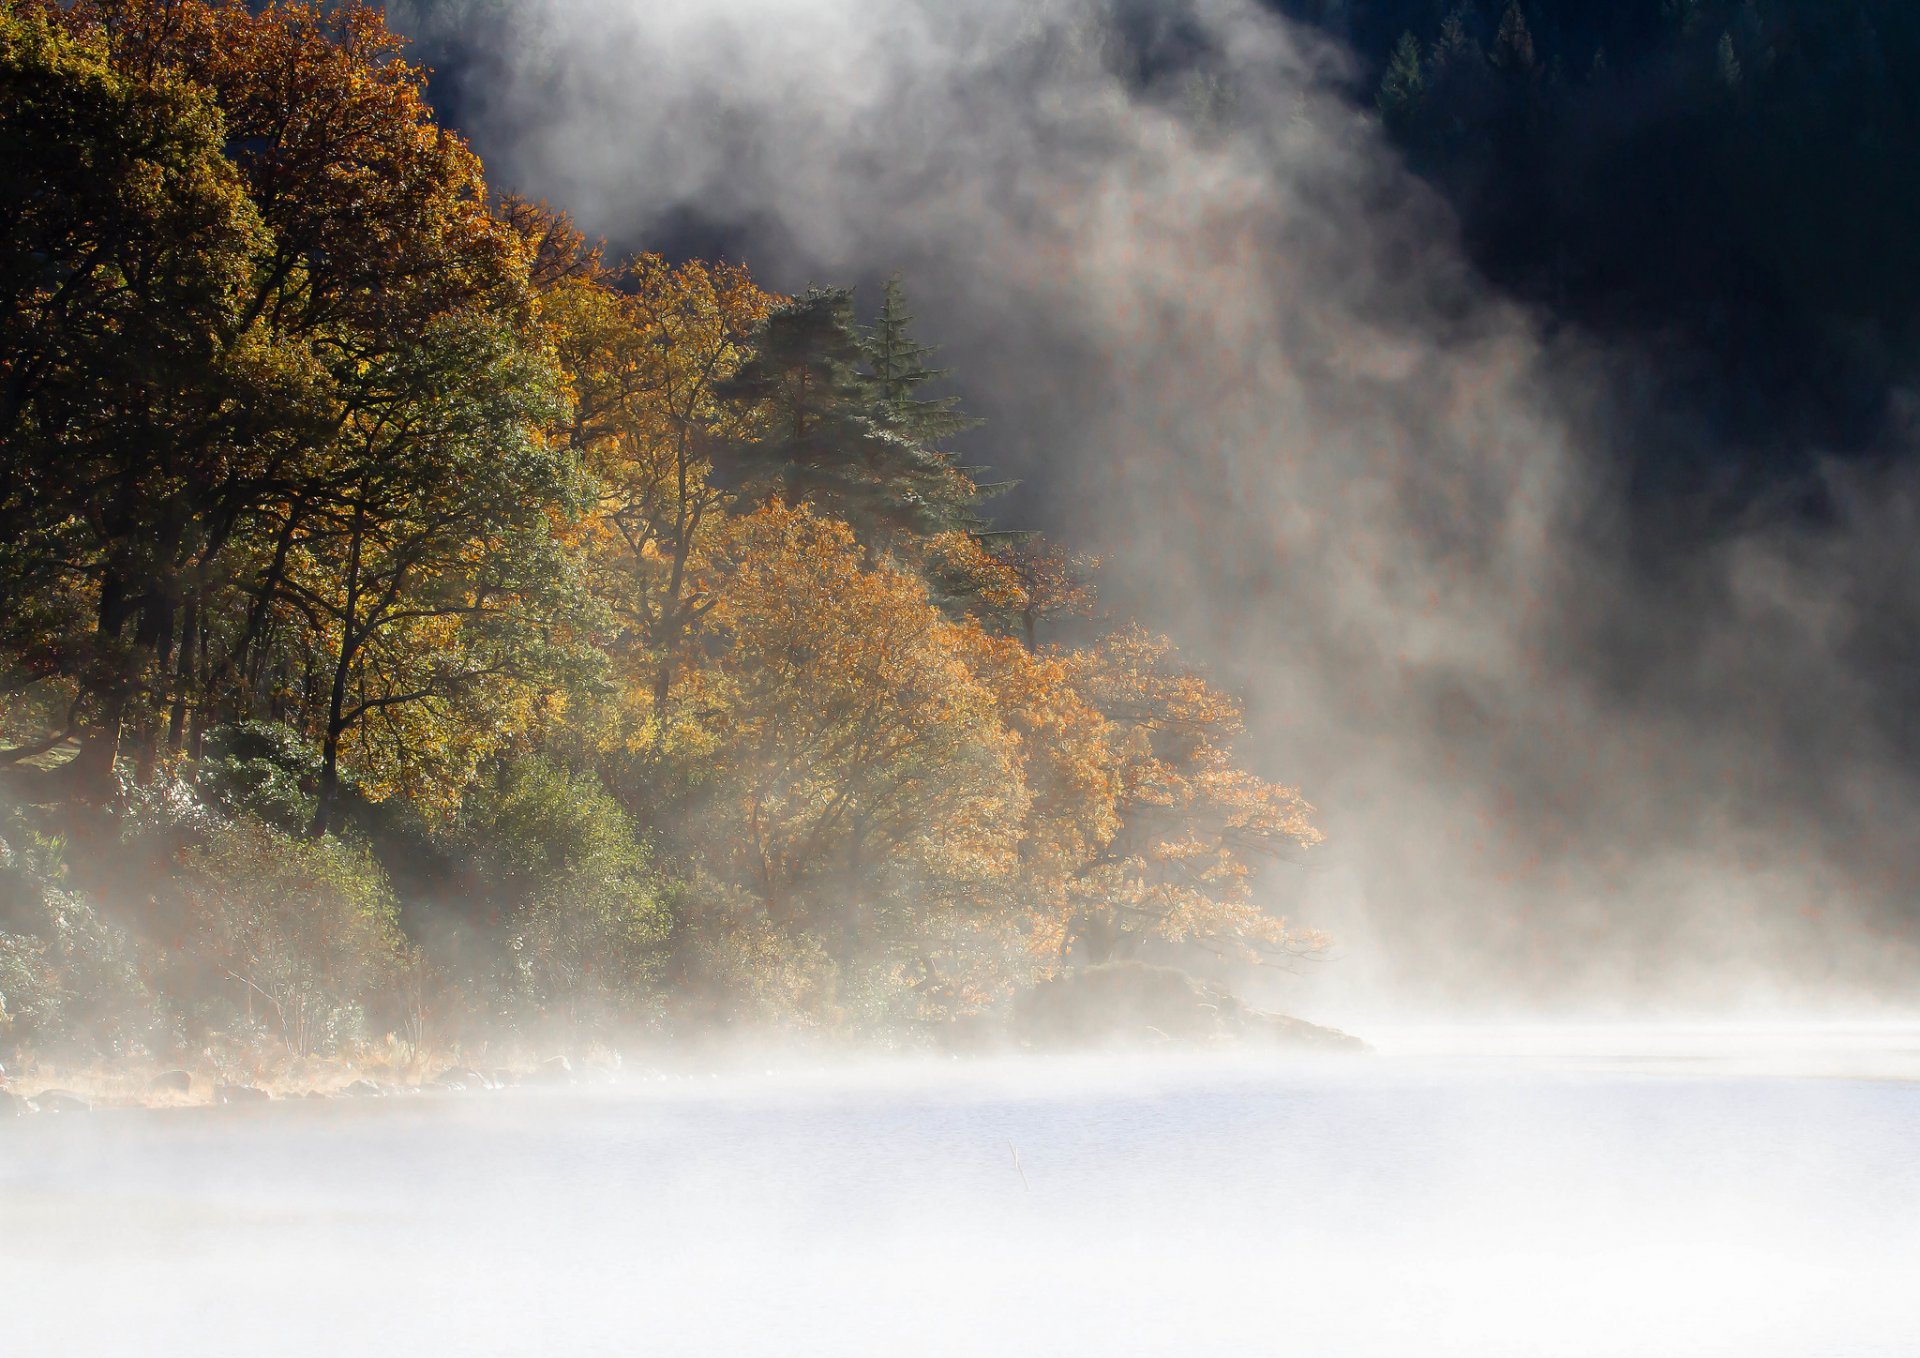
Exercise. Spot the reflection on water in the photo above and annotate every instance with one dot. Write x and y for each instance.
(1646, 1193)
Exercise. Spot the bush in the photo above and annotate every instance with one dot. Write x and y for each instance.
(303, 931)
(259, 770)
(581, 902)
(69, 981)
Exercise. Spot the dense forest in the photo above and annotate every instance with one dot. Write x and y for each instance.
(417, 625)
(1716, 183)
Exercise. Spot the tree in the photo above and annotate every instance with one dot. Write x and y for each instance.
(1727, 64)
(1513, 42)
(862, 773)
(645, 351)
(898, 364)
(141, 405)
(1405, 83)
(1192, 823)
(816, 438)
(373, 232)
(1047, 583)
(434, 576)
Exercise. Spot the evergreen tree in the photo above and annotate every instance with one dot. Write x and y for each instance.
(1726, 65)
(822, 434)
(1513, 42)
(1405, 83)
(898, 364)
(1454, 52)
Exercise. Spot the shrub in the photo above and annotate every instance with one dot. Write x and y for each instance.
(565, 865)
(69, 980)
(260, 770)
(304, 931)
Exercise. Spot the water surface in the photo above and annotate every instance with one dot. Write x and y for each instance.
(1647, 1193)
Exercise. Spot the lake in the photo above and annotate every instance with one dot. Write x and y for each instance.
(1553, 1192)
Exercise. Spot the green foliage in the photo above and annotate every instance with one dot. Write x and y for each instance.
(831, 435)
(581, 900)
(1405, 82)
(70, 982)
(303, 932)
(259, 770)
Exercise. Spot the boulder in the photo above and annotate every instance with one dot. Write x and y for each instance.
(460, 1077)
(556, 1070)
(11, 1105)
(364, 1089)
(171, 1082)
(1140, 1003)
(1120, 1002)
(240, 1094)
(1293, 1032)
(59, 1101)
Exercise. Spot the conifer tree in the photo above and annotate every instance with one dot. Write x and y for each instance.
(1405, 83)
(1726, 66)
(820, 433)
(898, 363)
(1513, 42)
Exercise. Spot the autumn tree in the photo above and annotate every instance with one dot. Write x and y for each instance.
(372, 235)
(1044, 583)
(141, 404)
(1193, 825)
(864, 766)
(645, 350)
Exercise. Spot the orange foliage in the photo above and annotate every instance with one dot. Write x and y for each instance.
(1192, 822)
(859, 750)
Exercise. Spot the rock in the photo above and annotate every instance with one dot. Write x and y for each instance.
(1119, 1001)
(171, 1082)
(58, 1101)
(11, 1105)
(240, 1094)
(1284, 1028)
(1140, 1002)
(502, 1078)
(318, 1094)
(364, 1089)
(553, 1071)
(460, 1077)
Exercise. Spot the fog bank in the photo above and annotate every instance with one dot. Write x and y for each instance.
(1230, 344)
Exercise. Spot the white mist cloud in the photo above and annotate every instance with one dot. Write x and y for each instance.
(1234, 346)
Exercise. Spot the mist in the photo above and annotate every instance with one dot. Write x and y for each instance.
(1566, 753)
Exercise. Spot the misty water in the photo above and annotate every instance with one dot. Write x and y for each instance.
(1564, 1191)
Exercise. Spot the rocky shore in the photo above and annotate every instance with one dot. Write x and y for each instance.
(67, 1092)
(1114, 1006)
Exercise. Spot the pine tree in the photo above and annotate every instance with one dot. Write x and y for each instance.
(898, 364)
(1726, 64)
(1454, 50)
(1513, 43)
(1682, 14)
(823, 434)
(1405, 83)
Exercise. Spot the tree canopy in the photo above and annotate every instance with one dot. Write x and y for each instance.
(464, 628)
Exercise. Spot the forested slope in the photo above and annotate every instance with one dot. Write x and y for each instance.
(415, 622)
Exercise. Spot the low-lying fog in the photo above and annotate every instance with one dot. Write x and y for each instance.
(1568, 1191)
